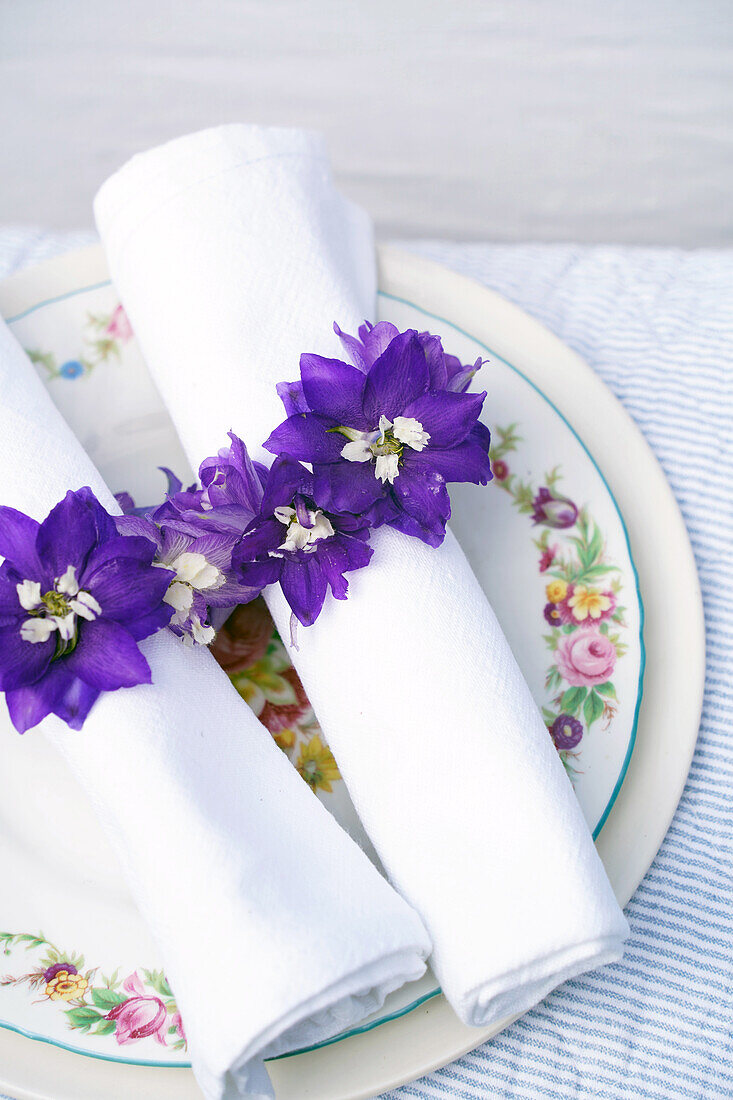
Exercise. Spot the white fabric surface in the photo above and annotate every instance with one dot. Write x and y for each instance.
(253, 863)
(232, 253)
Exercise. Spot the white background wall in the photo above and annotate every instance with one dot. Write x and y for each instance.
(588, 120)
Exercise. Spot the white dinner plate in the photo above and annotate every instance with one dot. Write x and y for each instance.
(578, 529)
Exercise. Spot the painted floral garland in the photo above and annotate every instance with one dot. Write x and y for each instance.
(582, 608)
(136, 1007)
(104, 335)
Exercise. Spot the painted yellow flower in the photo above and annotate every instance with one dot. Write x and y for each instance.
(285, 739)
(317, 765)
(66, 987)
(556, 591)
(588, 603)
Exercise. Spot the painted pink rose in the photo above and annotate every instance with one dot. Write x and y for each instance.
(585, 657)
(244, 637)
(177, 1023)
(140, 1015)
(119, 327)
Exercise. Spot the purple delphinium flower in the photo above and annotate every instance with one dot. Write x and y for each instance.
(567, 732)
(385, 435)
(75, 599)
(553, 510)
(195, 531)
(295, 541)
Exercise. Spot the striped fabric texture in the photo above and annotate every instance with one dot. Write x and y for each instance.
(657, 325)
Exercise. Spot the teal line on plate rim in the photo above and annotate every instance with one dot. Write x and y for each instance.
(625, 767)
(569, 426)
(58, 298)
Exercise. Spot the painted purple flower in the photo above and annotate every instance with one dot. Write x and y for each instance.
(385, 435)
(195, 531)
(566, 732)
(75, 599)
(553, 510)
(553, 614)
(139, 1016)
(52, 971)
(295, 541)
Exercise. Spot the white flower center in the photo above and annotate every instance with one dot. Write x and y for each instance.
(385, 446)
(300, 537)
(193, 574)
(57, 610)
(195, 570)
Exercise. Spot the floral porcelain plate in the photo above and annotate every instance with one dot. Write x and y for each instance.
(554, 547)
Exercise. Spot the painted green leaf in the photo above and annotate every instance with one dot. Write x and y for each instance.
(606, 689)
(83, 1016)
(107, 998)
(157, 979)
(592, 708)
(571, 700)
(105, 1027)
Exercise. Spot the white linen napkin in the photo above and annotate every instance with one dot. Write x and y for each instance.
(275, 929)
(233, 252)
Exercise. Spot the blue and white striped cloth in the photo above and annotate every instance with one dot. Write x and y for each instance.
(657, 325)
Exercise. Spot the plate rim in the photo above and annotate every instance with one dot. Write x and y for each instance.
(341, 1071)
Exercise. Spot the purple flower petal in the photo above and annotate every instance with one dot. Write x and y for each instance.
(334, 389)
(107, 657)
(304, 586)
(347, 486)
(22, 662)
(340, 555)
(232, 593)
(29, 705)
(436, 360)
(10, 608)
(127, 589)
(375, 339)
(150, 623)
(174, 483)
(354, 348)
(132, 548)
(397, 378)
(18, 534)
(66, 535)
(231, 478)
(257, 574)
(447, 417)
(76, 702)
(460, 377)
(292, 396)
(469, 461)
(126, 502)
(138, 527)
(263, 536)
(306, 438)
(287, 478)
(424, 499)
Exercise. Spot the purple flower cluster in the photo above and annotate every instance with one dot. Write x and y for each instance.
(383, 436)
(387, 432)
(75, 599)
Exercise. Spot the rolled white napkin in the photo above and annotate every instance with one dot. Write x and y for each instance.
(275, 929)
(233, 252)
